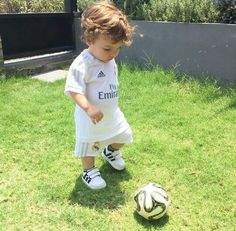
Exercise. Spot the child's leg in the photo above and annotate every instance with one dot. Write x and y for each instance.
(88, 162)
(91, 175)
(116, 146)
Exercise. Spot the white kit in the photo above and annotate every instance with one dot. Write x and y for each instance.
(98, 82)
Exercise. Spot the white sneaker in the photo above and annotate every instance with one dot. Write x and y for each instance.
(92, 178)
(114, 158)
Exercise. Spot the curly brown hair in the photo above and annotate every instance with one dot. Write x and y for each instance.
(104, 18)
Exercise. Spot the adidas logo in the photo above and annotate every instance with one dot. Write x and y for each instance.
(101, 74)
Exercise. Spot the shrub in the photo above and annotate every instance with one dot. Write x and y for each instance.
(130, 7)
(26, 6)
(178, 11)
(153, 10)
(227, 10)
(82, 4)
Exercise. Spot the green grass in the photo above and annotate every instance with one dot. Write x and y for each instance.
(184, 139)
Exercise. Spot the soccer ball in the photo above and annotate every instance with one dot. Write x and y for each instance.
(152, 201)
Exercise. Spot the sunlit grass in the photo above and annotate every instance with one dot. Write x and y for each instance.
(184, 139)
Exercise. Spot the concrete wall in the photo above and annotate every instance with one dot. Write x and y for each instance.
(196, 49)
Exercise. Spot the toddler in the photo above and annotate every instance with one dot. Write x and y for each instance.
(92, 83)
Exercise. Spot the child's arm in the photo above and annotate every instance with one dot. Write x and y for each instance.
(92, 111)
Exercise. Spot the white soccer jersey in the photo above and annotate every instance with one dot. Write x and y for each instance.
(98, 82)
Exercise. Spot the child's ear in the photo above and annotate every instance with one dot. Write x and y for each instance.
(89, 42)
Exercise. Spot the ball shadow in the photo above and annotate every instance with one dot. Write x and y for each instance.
(148, 223)
(108, 198)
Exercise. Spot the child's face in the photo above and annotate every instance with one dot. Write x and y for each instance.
(104, 49)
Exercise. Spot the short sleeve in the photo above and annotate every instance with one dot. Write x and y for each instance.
(75, 81)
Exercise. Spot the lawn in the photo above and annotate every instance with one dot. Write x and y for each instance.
(184, 139)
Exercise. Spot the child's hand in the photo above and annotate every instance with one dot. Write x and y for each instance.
(94, 113)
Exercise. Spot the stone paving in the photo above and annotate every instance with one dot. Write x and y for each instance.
(51, 76)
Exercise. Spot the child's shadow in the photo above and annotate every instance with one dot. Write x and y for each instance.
(108, 198)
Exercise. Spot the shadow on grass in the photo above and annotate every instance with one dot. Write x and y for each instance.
(110, 197)
(148, 224)
(231, 106)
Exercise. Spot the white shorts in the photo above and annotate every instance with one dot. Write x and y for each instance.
(94, 149)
